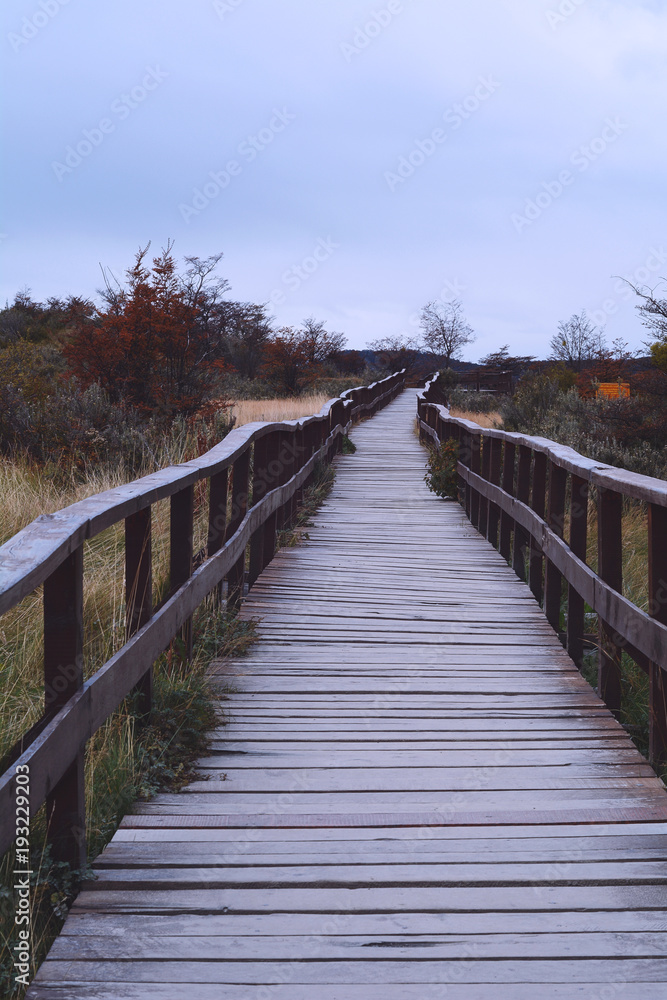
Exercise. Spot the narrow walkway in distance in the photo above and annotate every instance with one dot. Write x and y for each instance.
(417, 796)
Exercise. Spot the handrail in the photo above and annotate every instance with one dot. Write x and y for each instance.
(520, 493)
(256, 475)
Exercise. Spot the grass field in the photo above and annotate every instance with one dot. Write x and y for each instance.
(248, 410)
(483, 419)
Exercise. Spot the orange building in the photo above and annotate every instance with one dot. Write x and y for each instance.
(612, 390)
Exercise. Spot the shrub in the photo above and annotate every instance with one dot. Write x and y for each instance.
(475, 402)
(441, 477)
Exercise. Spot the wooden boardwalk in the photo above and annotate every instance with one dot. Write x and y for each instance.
(417, 795)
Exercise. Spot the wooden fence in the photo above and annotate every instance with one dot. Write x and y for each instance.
(256, 477)
(522, 493)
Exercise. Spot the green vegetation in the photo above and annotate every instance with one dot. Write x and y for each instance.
(441, 477)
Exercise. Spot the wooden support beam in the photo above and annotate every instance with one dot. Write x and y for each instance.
(578, 544)
(610, 569)
(657, 590)
(63, 677)
(553, 580)
(496, 447)
(506, 522)
(521, 537)
(538, 499)
(239, 500)
(139, 593)
(485, 470)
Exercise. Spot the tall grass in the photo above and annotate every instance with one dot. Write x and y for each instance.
(245, 411)
(492, 419)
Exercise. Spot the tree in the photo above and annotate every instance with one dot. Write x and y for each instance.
(578, 340)
(501, 358)
(153, 345)
(320, 345)
(295, 357)
(444, 329)
(245, 330)
(653, 311)
(396, 352)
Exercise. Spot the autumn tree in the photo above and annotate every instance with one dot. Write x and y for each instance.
(320, 345)
(152, 345)
(445, 331)
(244, 329)
(577, 341)
(295, 357)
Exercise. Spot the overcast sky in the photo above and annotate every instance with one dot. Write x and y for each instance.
(352, 159)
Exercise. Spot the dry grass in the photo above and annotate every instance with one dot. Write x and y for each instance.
(248, 410)
(483, 419)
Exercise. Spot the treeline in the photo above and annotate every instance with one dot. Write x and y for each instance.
(160, 358)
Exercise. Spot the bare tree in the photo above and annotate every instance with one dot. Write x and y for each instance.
(444, 329)
(653, 311)
(577, 340)
(396, 352)
(319, 344)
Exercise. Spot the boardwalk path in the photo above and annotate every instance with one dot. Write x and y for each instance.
(417, 795)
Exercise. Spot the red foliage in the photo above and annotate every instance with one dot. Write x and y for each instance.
(148, 348)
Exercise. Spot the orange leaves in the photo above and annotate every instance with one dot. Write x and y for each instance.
(149, 347)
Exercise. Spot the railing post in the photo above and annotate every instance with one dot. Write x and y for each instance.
(578, 544)
(553, 580)
(181, 530)
(521, 537)
(610, 569)
(475, 466)
(506, 522)
(657, 592)
(217, 517)
(259, 488)
(63, 677)
(274, 477)
(537, 503)
(485, 472)
(139, 593)
(239, 500)
(494, 478)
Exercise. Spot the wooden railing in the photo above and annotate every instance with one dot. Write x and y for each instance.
(522, 493)
(256, 476)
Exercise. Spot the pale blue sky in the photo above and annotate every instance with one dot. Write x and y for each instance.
(366, 157)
